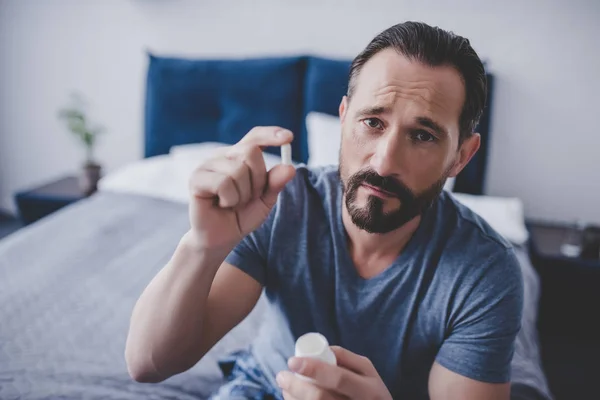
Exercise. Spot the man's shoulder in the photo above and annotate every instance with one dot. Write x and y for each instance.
(470, 245)
(468, 227)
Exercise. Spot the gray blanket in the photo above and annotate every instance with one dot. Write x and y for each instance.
(69, 282)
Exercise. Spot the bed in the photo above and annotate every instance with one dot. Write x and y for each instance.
(68, 283)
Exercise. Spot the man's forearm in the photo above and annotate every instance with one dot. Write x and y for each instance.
(166, 324)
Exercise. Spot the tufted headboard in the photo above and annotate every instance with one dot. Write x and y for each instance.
(191, 101)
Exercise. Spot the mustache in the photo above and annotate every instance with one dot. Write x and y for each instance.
(385, 183)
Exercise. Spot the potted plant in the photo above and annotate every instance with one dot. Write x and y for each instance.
(87, 133)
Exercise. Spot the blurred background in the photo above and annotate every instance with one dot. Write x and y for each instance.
(544, 56)
(81, 99)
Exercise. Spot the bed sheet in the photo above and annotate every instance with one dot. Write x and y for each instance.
(68, 285)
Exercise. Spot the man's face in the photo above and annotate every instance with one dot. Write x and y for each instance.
(400, 135)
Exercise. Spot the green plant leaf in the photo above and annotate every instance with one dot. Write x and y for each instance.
(78, 124)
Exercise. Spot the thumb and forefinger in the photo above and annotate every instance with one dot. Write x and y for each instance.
(354, 362)
(265, 136)
(280, 175)
(346, 377)
(277, 178)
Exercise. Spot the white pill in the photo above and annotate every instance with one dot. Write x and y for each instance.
(286, 154)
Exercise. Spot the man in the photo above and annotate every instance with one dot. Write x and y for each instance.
(421, 298)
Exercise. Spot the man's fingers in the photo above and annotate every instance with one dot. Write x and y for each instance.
(331, 377)
(354, 362)
(297, 388)
(238, 174)
(228, 193)
(205, 184)
(265, 136)
(209, 184)
(286, 395)
(277, 178)
(253, 157)
(238, 171)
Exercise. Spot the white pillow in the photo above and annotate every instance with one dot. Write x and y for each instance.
(324, 140)
(504, 214)
(324, 136)
(449, 185)
(153, 176)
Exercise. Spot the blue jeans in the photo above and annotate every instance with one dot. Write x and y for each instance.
(245, 379)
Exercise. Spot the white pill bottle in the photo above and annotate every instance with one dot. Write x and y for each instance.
(314, 345)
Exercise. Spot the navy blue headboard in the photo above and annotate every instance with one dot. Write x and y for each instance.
(190, 101)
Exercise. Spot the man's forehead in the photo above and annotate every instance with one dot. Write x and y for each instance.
(389, 75)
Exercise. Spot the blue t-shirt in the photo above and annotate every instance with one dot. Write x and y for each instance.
(454, 294)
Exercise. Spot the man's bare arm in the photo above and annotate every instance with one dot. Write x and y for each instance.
(197, 298)
(184, 311)
(447, 385)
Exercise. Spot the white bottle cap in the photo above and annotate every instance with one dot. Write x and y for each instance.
(315, 345)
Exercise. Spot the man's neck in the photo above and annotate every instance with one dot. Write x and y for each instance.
(372, 253)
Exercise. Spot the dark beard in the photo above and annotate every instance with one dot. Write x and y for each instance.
(371, 217)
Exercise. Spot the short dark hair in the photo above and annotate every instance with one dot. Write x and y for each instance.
(434, 47)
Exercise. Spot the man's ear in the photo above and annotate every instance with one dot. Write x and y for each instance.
(343, 108)
(466, 151)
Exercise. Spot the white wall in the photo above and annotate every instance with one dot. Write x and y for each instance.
(546, 58)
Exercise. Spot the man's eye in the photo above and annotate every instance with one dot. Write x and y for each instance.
(423, 136)
(373, 123)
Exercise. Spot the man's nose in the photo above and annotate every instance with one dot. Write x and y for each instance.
(386, 158)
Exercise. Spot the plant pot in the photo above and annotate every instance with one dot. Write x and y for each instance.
(88, 178)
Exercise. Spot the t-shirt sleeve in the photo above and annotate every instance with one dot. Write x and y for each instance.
(482, 332)
(251, 254)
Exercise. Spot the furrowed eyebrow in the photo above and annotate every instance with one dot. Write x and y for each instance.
(377, 110)
(431, 124)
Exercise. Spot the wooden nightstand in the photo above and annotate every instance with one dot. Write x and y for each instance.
(43, 200)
